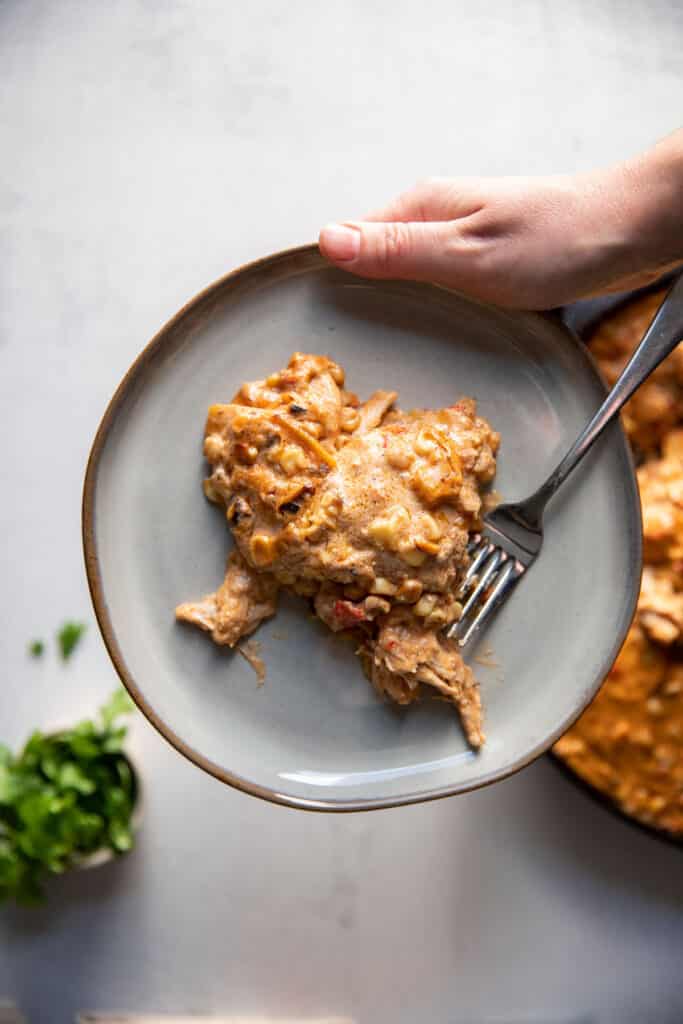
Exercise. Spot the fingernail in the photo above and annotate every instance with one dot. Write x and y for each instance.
(340, 242)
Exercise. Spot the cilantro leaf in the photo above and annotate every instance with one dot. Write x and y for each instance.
(36, 648)
(121, 836)
(118, 704)
(68, 638)
(65, 795)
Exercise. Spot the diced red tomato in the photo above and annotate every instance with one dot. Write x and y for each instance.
(348, 614)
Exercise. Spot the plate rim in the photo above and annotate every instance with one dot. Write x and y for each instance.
(106, 627)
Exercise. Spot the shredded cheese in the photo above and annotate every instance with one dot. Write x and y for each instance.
(306, 439)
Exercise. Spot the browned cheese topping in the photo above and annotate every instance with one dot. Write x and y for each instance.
(359, 506)
(629, 743)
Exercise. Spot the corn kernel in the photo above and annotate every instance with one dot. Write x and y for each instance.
(409, 592)
(382, 586)
(428, 546)
(213, 447)
(425, 605)
(412, 556)
(350, 420)
(262, 549)
(292, 459)
(210, 491)
(425, 442)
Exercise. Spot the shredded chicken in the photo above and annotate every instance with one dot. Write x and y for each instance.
(241, 603)
(361, 507)
(403, 656)
(250, 653)
(373, 411)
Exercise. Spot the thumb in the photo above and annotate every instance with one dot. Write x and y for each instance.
(416, 251)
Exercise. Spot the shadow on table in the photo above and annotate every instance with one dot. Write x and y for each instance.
(68, 894)
(572, 828)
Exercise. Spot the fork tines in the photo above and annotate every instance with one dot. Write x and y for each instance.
(492, 573)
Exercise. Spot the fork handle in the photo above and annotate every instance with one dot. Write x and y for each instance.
(663, 335)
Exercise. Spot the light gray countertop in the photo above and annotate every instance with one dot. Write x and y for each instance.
(148, 147)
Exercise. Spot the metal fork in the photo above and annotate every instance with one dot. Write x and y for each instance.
(513, 534)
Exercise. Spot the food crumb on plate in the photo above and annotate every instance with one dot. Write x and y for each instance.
(250, 652)
(486, 658)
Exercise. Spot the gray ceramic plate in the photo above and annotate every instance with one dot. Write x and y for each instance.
(315, 735)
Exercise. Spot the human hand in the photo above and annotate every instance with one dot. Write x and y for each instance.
(533, 243)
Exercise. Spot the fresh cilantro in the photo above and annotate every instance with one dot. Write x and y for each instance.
(120, 703)
(36, 648)
(65, 795)
(68, 638)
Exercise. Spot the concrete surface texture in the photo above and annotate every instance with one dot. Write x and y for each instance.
(148, 147)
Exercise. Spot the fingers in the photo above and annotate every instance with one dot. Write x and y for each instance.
(409, 237)
(432, 199)
(417, 251)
